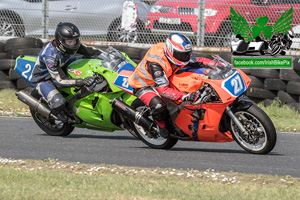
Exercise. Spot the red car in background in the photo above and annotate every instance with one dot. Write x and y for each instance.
(167, 16)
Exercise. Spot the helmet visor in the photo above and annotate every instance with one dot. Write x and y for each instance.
(182, 56)
(70, 42)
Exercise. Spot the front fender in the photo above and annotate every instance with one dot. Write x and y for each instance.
(241, 104)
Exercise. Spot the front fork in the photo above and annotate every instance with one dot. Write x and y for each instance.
(236, 121)
(240, 104)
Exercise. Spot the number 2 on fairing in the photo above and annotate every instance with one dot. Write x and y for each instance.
(125, 83)
(28, 70)
(237, 84)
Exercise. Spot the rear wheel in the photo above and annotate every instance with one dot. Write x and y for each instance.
(261, 137)
(50, 126)
(151, 139)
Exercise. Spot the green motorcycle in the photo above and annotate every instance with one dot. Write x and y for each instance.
(103, 106)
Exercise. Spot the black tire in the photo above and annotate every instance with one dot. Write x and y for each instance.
(255, 121)
(247, 71)
(22, 84)
(286, 97)
(9, 27)
(13, 75)
(226, 56)
(2, 47)
(260, 93)
(7, 64)
(274, 84)
(265, 73)
(23, 43)
(42, 121)
(295, 105)
(6, 84)
(275, 49)
(115, 33)
(13, 54)
(2, 55)
(256, 82)
(268, 102)
(137, 61)
(143, 53)
(296, 64)
(293, 87)
(3, 76)
(156, 143)
(133, 53)
(289, 75)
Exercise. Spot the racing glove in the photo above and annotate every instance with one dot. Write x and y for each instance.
(192, 97)
(88, 81)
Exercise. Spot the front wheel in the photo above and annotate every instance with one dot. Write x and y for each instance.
(261, 137)
(50, 126)
(150, 139)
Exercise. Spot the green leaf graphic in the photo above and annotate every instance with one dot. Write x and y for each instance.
(262, 21)
(240, 25)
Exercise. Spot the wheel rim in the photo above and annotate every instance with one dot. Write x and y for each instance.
(54, 125)
(6, 29)
(126, 36)
(144, 134)
(257, 138)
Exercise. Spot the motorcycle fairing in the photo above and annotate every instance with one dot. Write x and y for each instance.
(186, 81)
(206, 130)
(24, 67)
(121, 79)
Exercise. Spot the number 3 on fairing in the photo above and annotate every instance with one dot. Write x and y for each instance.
(237, 84)
(125, 83)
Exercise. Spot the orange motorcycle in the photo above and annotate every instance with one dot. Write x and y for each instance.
(221, 114)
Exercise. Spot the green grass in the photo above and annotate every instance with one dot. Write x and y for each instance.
(285, 118)
(11, 106)
(51, 179)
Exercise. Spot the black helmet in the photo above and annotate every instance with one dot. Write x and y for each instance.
(67, 37)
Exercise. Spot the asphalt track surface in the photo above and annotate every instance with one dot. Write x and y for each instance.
(21, 138)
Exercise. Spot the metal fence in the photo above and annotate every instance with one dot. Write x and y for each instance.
(207, 23)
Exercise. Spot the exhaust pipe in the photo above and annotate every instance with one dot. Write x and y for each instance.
(34, 103)
(131, 114)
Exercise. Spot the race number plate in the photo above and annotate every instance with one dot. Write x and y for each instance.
(121, 79)
(24, 67)
(234, 85)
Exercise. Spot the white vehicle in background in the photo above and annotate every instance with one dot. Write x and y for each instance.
(239, 46)
(93, 17)
(278, 44)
